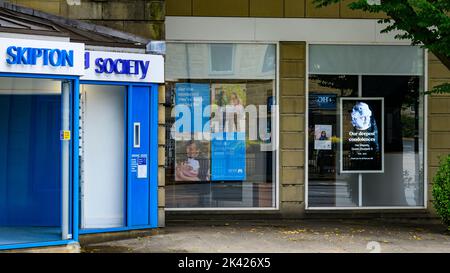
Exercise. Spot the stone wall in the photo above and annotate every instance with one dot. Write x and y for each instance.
(141, 17)
(438, 120)
(161, 156)
(262, 8)
(292, 127)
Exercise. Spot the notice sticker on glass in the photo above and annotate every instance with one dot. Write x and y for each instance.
(142, 167)
(65, 135)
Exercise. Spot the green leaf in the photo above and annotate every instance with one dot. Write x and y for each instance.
(440, 89)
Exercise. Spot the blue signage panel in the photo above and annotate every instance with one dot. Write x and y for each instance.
(322, 101)
(228, 157)
(196, 97)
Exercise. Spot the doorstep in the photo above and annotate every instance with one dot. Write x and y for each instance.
(87, 239)
(69, 248)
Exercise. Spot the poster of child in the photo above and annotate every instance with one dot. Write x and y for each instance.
(322, 137)
(191, 161)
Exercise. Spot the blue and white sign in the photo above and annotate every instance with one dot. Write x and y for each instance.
(322, 101)
(123, 67)
(195, 96)
(228, 157)
(41, 57)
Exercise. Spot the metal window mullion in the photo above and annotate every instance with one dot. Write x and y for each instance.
(360, 178)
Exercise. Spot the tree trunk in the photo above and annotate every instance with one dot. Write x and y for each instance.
(445, 60)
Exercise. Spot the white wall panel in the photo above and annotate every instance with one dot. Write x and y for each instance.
(103, 186)
(277, 29)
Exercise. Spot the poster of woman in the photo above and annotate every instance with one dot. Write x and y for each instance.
(228, 102)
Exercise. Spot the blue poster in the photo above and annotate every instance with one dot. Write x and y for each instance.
(228, 156)
(196, 97)
(228, 146)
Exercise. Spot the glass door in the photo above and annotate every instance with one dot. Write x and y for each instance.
(34, 160)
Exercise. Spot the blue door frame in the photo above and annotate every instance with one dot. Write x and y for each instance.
(74, 204)
(153, 157)
(73, 180)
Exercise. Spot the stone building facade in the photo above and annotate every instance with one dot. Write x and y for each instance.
(157, 20)
(141, 17)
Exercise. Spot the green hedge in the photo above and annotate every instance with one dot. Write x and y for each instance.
(441, 191)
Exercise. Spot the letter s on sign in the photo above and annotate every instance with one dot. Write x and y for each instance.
(12, 55)
(100, 65)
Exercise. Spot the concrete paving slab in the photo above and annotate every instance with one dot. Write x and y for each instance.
(350, 236)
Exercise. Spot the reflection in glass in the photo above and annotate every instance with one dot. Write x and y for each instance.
(34, 163)
(221, 156)
(204, 173)
(327, 187)
(401, 184)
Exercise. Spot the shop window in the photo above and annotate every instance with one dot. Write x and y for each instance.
(220, 145)
(365, 126)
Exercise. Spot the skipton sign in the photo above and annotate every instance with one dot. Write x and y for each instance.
(41, 57)
(47, 56)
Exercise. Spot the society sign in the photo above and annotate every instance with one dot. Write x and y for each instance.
(362, 132)
(123, 67)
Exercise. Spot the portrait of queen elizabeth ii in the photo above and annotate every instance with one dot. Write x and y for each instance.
(361, 116)
(363, 119)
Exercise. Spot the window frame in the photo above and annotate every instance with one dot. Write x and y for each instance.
(276, 187)
(425, 136)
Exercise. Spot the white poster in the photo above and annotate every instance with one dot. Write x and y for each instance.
(322, 137)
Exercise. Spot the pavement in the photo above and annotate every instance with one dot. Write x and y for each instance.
(306, 236)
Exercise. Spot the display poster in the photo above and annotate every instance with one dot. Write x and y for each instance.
(192, 157)
(228, 146)
(228, 158)
(196, 97)
(322, 137)
(362, 129)
(192, 161)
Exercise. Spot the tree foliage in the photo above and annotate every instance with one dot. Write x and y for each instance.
(424, 22)
(441, 190)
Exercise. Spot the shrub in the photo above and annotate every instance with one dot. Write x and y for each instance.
(441, 191)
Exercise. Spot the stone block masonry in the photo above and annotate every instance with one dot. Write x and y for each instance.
(140, 17)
